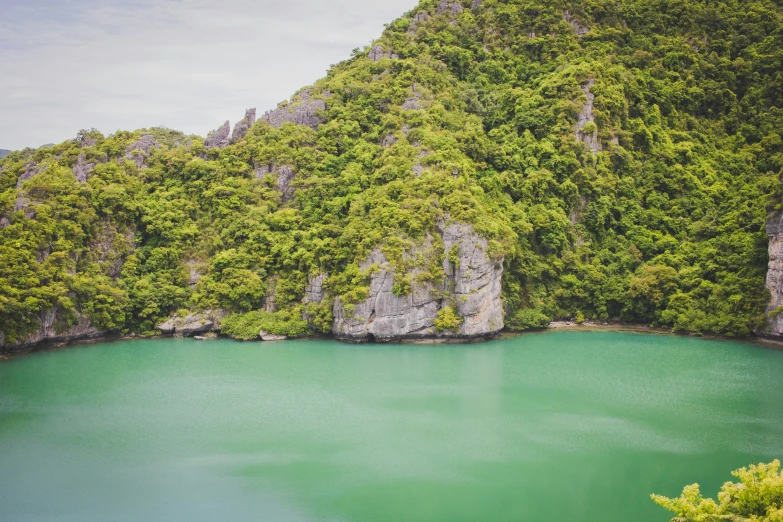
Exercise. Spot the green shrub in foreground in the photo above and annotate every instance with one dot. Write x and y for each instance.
(758, 496)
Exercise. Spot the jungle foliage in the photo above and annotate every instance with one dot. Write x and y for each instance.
(473, 120)
(758, 496)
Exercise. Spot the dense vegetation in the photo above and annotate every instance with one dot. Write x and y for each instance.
(470, 115)
(758, 496)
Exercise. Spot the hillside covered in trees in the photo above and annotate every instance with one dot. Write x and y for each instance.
(616, 159)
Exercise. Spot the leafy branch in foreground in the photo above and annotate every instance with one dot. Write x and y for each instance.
(758, 496)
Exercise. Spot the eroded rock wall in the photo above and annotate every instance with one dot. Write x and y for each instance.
(241, 128)
(775, 276)
(472, 285)
(51, 331)
(586, 135)
(285, 175)
(141, 149)
(193, 324)
(219, 138)
(315, 291)
(304, 110)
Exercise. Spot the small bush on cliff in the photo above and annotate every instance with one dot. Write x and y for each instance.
(247, 326)
(448, 319)
(527, 319)
(758, 496)
(321, 316)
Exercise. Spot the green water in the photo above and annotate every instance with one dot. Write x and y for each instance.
(556, 426)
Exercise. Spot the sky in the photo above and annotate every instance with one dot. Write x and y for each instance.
(188, 65)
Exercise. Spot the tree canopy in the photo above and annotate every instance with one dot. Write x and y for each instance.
(621, 155)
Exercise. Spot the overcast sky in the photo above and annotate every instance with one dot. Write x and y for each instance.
(184, 64)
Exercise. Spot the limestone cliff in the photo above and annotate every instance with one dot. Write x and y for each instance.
(377, 54)
(52, 331)
(141, 149)
(108, 250)
(193, 324)
(304, 110)
(241, 128)
(472, 285)
(284, 174)
(219, 138)
(775, 276)
(585, 129)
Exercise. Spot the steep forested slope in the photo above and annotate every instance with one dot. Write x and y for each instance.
(618, 157)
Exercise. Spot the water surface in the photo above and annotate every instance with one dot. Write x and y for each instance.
(555, 426)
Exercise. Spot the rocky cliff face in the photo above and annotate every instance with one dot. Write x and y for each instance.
(304, 110)
(775, 276)
(219, 138)
(51, 331)
(82, 169)
(377, 54)
(315, 291)
(244, 125)
(285, 175)
(453, 8)
(472, 285)
(108, 249)
(585, 134)
(140, 149)
(578, 28)
(193, 324)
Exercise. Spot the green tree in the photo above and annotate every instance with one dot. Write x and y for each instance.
(758, 496)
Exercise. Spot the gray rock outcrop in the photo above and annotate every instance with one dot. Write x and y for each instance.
(140, 150)
(285, 175)
(586, 136)
(413, 103)
(315, 291)
(418, 168)
(472, 285)
(195, 270)
(241, 128)
(266, 336)
(453, 7)
(82, 169)
(110, 247)
(30, 171)
(775, 277)
(193, 324)
(578, 28)
(218, 139)
(22, 203)
(377, 54)
(49, 333)
(306, 111)
(420, 18)
(88, 142)
(389, 140)
(270, 300)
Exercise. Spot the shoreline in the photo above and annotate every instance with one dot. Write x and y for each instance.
(645, 329)
(587, 326)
